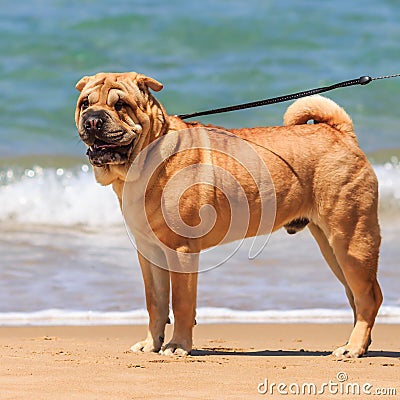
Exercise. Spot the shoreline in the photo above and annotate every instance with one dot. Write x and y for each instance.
(229, 361)
(204, 315)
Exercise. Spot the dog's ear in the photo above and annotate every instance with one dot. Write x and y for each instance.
(143, 80)
(82, 83)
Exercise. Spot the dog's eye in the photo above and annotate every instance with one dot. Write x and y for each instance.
(119, 105)
(85, 104)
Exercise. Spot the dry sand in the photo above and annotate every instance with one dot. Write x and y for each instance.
(229, 362)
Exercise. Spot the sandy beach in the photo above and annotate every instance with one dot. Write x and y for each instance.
(230, 361)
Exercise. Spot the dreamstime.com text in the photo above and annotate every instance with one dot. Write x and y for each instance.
(339, 386)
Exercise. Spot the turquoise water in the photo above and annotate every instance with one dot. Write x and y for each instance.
(207, 54)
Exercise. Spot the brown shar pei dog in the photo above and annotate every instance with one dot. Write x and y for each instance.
(317, 176)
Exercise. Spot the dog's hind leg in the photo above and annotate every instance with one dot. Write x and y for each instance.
(331, 260)
(157, 287)
(356, 247)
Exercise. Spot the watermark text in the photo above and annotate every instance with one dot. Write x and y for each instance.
(338, 386)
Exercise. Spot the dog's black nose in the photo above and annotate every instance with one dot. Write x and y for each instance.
(93, 124)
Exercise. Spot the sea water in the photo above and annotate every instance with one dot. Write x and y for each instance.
(65, 256)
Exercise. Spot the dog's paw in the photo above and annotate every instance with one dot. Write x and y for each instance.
(175, 349)
(348, 352)
(146, 346)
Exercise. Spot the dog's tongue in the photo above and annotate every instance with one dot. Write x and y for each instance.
(105, 146)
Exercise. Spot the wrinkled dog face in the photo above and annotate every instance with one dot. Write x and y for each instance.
(110, 114)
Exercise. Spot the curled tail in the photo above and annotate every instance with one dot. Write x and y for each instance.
(321, 110)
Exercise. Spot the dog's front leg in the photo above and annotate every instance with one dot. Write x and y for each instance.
(156, 282)
(184, 293)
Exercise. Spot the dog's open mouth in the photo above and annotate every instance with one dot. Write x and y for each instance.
(102, 153)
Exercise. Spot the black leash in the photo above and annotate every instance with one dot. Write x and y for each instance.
(363, 80)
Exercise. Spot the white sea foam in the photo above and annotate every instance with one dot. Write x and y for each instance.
(389, 186)
(205, 315)
(66, 197)
(58, 197)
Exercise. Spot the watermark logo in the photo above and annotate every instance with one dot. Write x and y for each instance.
(341, 385)
(194, 190)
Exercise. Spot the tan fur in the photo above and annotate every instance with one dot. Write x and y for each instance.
(321, 111)
(319, 173)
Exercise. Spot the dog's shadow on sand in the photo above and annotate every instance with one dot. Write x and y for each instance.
(281, 353)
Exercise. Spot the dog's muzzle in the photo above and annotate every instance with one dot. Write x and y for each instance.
(103, 148)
